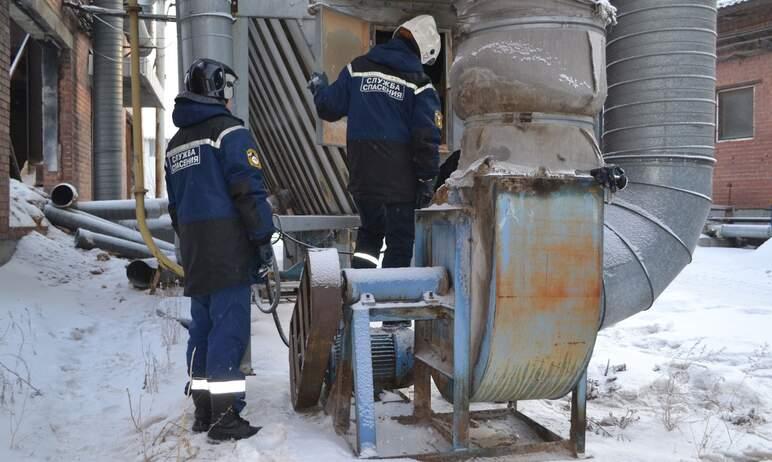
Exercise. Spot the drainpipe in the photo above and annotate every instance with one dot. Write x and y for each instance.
(109, 118)
(139, 172)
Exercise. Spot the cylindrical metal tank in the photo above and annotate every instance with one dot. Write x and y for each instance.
(529, 56)
(659, 126)
(527, 79)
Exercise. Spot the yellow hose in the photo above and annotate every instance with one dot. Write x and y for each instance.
(139, 168)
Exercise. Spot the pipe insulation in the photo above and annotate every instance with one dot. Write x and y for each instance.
(659, 126)
(205, 31)
(109, 119)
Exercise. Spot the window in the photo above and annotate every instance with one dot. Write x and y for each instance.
(735, 114)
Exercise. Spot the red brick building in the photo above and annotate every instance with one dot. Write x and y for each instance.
(743, 176)
(46, 107)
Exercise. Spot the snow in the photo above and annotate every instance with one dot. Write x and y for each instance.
(519, 51)
(326, 267)
(726, 3)
(488, 166)
(606, 11)
(26, 206)
(90, 342)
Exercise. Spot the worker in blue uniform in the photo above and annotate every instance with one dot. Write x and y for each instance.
(218, 207)
(393, 136)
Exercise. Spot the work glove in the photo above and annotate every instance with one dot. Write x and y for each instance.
(263, 254)
(318, 81)
(424, 192)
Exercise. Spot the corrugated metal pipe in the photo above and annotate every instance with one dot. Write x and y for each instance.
(205, 31)
(659, 126)
(109, 119)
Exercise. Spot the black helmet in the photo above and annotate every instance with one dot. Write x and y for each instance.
(207, 77)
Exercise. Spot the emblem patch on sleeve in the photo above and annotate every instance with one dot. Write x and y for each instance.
(438, 119)
(253, 159)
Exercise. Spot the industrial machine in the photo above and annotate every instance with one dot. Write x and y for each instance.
(530, 247)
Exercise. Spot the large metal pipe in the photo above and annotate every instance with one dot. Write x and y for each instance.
(659, 126)
(160, 228)
(205, 31)
(76, 219)
(761, 232)
(109, 118)
(140, 274)
(123, 209)
(85, 239)
(65, 195)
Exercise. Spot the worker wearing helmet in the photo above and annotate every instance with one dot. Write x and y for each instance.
(393, 135)
(217, 202)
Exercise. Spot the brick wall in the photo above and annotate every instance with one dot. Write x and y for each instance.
(75, 133)
(743, 175)
(5, 136)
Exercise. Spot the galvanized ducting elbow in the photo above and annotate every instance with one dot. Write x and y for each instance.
(659, 125)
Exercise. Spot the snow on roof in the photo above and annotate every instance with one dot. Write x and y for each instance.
(726, 3)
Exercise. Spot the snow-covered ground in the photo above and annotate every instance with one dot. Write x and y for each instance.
(89, 371)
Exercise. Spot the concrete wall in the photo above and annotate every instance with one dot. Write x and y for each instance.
(743, 176)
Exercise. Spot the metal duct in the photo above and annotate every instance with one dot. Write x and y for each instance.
(205, 31)
(659, 126)
(109, 119)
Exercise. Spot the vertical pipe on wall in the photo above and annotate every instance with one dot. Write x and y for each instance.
(109, 119)
(160, 113)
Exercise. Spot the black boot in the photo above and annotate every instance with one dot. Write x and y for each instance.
(203, 413)
(226, 422)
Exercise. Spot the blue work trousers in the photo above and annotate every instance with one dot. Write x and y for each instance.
(218, 338)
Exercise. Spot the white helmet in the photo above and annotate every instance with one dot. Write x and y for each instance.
(424, 30)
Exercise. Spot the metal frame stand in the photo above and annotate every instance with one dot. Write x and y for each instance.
(355, 372)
